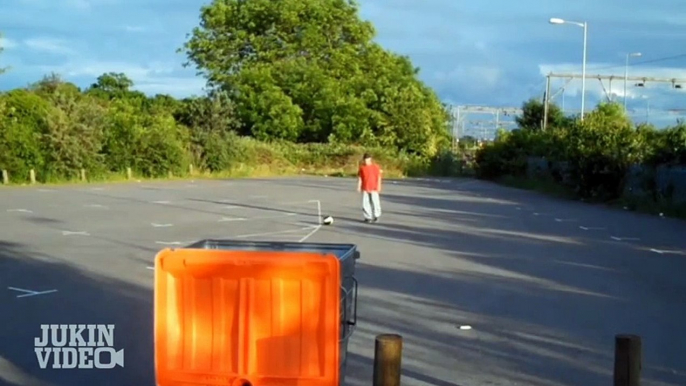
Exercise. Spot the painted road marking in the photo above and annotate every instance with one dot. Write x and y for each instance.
(310, 234)
(275, 233)
(662, 251)
(171, 242)
(95, 206)
(227, 219)
(77, 233)
(152, 268)
(156, 225)
(20, 210)
(161, 202)
(28, 293)
(565, 219)
(591, 228)
(624, 238)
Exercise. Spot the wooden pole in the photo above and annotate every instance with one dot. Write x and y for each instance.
(387, 360)
(129, 173)
(5, 177)
(32, 176)
(627, 370)
(83, 174)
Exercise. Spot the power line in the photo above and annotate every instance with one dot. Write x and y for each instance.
(657, 60)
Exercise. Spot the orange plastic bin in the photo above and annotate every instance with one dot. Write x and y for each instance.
(240, 313)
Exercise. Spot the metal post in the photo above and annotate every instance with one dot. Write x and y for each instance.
(457, 124)
(563, 100)
(626, 77)
(546, 103)
(583, 73)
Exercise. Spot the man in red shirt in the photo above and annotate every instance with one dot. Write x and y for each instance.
(369, 183)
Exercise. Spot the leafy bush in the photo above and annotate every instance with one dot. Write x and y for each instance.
(57, 130)
(597, 153)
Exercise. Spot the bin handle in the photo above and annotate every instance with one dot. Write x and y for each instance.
(354, 321)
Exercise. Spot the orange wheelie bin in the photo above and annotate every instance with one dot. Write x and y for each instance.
(241, 313)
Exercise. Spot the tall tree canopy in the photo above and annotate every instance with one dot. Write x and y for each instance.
(308, 71)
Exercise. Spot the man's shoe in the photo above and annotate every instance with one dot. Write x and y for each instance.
(376, 219)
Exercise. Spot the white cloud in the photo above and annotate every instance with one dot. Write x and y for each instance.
(133, 28)
(53, 46)
(151, 78)
(96, 68)
(7, 44)
(175, 86)
(480, 76)
(77, 4)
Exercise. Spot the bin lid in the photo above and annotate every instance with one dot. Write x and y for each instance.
(338, 250)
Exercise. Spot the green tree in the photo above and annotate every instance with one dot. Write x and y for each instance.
(533, 112)
(309, 71)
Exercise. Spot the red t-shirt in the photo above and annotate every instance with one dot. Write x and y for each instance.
(370, 177)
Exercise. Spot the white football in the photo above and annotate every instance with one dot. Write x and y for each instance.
(328, 220)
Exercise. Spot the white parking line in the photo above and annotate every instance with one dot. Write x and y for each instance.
(663, 251)
(275, 233)
(591, 228)
(310, 234)
(28, 293)
(171, 242)
(75, 233)
(229, 219)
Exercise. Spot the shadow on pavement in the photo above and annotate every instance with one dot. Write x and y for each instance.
(82, 298)
(544, 306)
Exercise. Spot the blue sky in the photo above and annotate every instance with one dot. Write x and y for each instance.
(493, 52)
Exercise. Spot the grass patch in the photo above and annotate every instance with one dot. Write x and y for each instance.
(544, 186)
(650, 206)
(249, 158)
(636, 204)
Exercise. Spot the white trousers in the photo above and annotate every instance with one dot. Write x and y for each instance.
(371, 205)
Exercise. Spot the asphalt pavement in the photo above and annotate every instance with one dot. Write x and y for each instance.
(543, 284)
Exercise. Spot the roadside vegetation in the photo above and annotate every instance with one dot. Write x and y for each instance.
(606, 158)
(295, 86)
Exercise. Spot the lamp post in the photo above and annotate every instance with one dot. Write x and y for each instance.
(626, 71)
(583, 25)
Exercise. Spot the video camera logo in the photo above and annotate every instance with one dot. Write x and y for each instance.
(77, 346)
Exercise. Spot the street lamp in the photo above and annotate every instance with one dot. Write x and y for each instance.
(583, 25)
(626, 71)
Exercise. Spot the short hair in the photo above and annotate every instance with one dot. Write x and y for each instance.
(366, 156)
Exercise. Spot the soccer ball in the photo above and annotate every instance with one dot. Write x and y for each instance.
(327, 220)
